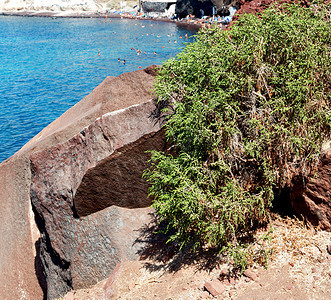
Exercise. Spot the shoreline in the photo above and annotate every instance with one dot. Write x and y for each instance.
(94, 15)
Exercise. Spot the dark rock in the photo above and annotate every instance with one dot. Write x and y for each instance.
(148, 6)
(329, 249)
(214, 287)
(312, 197)
(194, 7)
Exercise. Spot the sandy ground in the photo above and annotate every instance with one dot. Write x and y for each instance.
(299, 269)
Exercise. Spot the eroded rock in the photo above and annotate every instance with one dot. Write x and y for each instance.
(77, 252)
(312, 197)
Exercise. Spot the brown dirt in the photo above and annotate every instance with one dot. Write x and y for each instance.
(299, 269)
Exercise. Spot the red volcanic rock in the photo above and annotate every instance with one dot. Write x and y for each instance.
(70, 251)
(88, 248)
(214, 287)
(17, 233)
(312, 199)
(258, 6)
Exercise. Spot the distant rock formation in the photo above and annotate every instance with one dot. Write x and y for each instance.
(50, 5)
(221, 7)
(204, 7)
(159, 6)
(80, 178)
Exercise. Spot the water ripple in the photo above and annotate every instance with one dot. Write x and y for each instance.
(47, 65)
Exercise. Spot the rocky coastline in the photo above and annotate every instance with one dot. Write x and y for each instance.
(73, 205)
(40, 215)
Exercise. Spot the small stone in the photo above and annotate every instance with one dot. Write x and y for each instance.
(215, 287)
(230, 281)
(230, 294)
(69, 296)
(329, 249)
(291, 263)
(251, 275)
(204, 295)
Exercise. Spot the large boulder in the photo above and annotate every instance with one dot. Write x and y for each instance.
(94, 151)
(83, 239)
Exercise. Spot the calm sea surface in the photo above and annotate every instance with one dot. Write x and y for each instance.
(47, 65)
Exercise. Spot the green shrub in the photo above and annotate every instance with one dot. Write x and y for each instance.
(245, 109)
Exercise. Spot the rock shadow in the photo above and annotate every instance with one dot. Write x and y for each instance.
(39, 269)
(281, 204)
(117, 179)
(161, 254)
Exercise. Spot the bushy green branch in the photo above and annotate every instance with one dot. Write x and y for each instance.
(249, 107)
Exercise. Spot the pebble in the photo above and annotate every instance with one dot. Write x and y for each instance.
(214, 287)
(204, 295)
(251, 275)
(329, 249)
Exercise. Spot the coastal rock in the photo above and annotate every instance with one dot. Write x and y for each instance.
(71, 251)
(82, 240)
(312, 198)
(18, 233)
(194, 7)
(155, 6)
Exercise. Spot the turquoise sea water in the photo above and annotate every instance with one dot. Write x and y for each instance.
(47, 65)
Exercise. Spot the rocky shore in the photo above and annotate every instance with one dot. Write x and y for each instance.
(74, 207)
(75, 213)
(52, 241)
